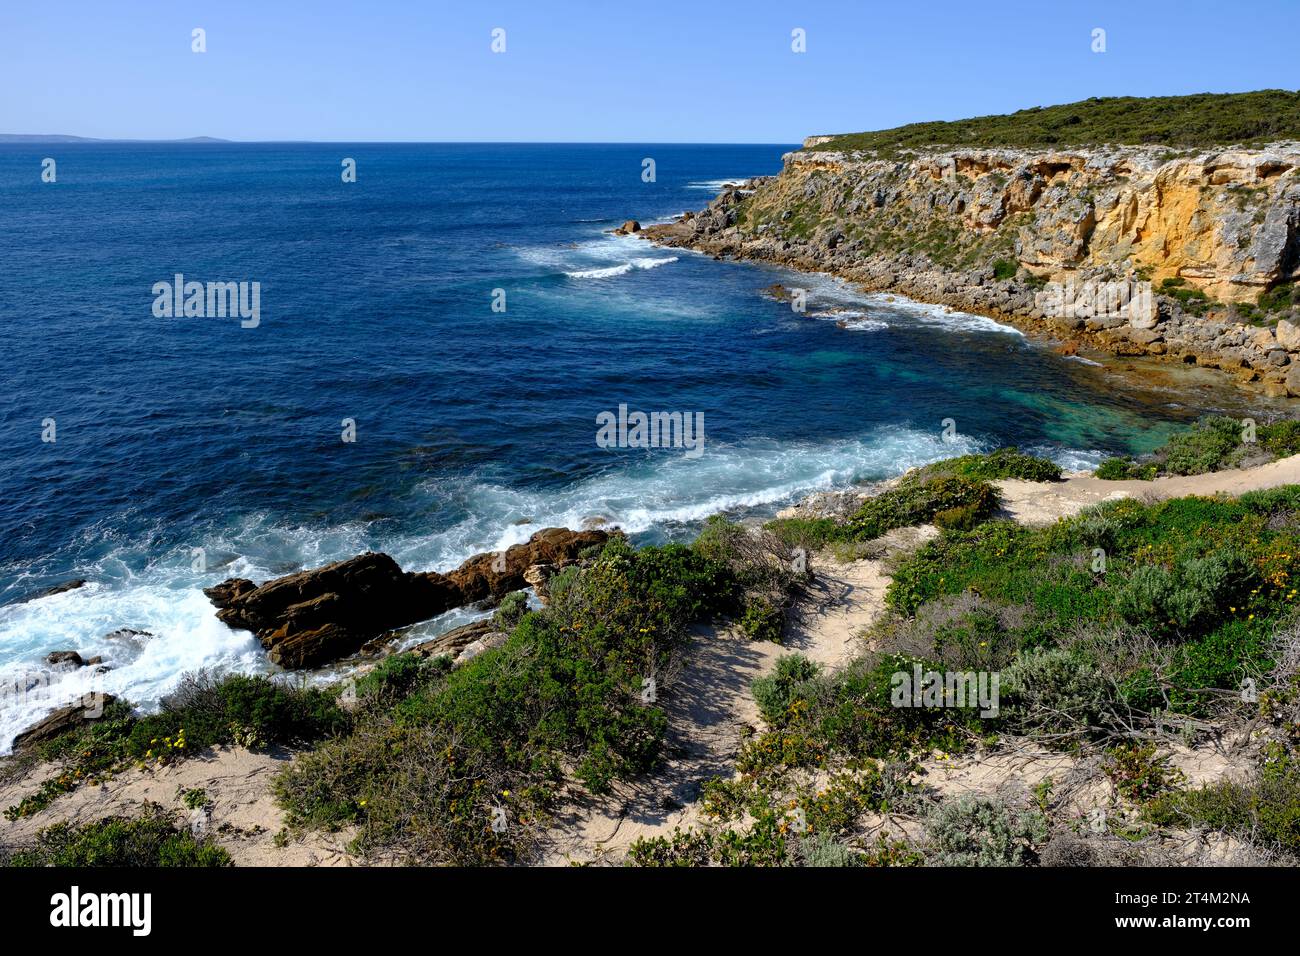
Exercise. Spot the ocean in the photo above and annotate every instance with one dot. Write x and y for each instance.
(191, 449)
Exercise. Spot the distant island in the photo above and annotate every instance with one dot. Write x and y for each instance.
(63, 138)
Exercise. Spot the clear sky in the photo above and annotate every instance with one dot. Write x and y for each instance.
(612, 71)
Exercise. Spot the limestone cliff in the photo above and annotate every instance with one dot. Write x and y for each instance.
(1216, 232)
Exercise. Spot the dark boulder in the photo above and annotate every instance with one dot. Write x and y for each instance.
(57, 589)
(65, 657)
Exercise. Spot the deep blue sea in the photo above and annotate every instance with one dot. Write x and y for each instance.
(474, 427)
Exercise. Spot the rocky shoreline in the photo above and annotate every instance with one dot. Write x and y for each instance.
(945, 228)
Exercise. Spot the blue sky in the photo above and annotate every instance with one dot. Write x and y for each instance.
(658, 71)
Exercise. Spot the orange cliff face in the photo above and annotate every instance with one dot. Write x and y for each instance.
(1226, 222)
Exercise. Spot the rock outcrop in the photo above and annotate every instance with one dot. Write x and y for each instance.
(57, 589)
(464, 643)
(984, 230)
(65, 718)
(315, 617)
(72, 658)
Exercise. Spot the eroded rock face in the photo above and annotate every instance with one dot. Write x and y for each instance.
(315, 617)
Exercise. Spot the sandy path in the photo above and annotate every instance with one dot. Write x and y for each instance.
(243, 818)
(1031, 502)
(712, 710)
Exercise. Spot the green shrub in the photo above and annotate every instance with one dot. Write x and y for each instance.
(983, 831)
(1281, 298)
(510, 611)
(916, 501)
(253, 711)
(762, 570)
(1207, 446)
(811, 534)
(993, 466)
(689, 848)
(1281, 439)
(1052, 690)
(822, 850)
(777, 692)
(762, 622)
(961, 518)
(151, 839)
(1005, 269)
(977, 639)
(1265, 810)
(851, 712)
(392, 679)
(1189, 599)
(1138, 773)
(1126, 469)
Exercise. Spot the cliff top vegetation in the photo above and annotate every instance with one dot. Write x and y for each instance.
(1199, 120)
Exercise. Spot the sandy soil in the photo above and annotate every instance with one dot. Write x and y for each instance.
(1032, 502)
(243, 816)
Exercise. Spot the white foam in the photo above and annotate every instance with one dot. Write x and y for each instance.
(1070, 459)
(716, 185)
(939, 315)
(836, 294)
(184, 635)
(604, 273)
(850, 319)
(643, 262)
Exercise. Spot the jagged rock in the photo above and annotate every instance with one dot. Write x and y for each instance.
(131, 634)
(57, 589)
(1292, 381)
(1288, 335)
(454, 641)
(57, 658)
(536, 577)
(629, 227)
(65, 718)
(228, 590)
(315, 617)
(1144, 336)
(475, 648)
(496, 574)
